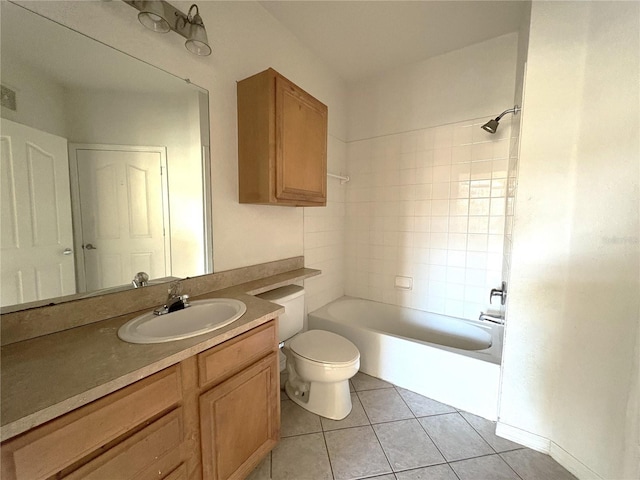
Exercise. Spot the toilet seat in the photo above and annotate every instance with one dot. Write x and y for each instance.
(324, 347)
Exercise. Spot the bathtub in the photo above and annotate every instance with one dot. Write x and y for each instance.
(448, 359)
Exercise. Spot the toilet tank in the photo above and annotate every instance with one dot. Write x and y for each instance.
(291, 298)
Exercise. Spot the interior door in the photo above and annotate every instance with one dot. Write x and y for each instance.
(36, 239)
(123, 213)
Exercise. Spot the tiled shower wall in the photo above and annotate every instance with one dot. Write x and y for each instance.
(426, 209)
(512, 182)
(324, 234)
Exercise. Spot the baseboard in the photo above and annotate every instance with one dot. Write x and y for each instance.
(528, 439)
(572, 464)
(544, 445)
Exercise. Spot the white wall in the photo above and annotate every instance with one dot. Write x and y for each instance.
(39, 98)
(427, 196)
(143, 120)
(245, 40)
(472, 82)
(571, 354)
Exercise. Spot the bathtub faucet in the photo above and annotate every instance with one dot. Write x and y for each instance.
(486, 317)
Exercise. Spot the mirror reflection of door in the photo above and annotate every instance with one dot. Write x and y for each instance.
(36, 240)
(123, 213)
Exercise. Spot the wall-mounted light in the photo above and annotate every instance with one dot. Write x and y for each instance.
(162, 17)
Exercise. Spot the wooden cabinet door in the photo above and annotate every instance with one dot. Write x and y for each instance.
(240, 421)
(301, 145)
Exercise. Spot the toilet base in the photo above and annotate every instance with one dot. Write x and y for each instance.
(329, 400)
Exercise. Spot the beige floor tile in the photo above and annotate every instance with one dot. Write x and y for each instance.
(356, 418)
(262, 471)
(407, 445)
(454, 437)
(356, 453)
(384, 405)
(487, 430)
(295, 420)
(422, 406)
(362, 381)
(490, 467)
(532, 465)
(437, 472)
(303, 457)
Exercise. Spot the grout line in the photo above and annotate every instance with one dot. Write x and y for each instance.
(326, 447)
(489, 455)
(477, 431)
(384, 452)
(512, 469)
(425, 430)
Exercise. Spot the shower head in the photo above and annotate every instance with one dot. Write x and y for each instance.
(492, 125)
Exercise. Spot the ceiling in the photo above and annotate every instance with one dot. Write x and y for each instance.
(360, 39)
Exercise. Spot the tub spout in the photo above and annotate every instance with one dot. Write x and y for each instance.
(487, 317)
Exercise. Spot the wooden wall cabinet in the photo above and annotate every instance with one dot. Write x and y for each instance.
(282, 143)
(213, 416)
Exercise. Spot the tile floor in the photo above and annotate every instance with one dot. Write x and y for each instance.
(395, 434)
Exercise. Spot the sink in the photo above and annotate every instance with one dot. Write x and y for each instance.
(201, 317)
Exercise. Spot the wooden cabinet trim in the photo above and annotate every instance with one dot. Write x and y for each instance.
(262, 159)
(222, 361)
(222, 457)
(304, 155)
(50, 448)
(149, 454)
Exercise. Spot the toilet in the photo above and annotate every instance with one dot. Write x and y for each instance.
(319, 363)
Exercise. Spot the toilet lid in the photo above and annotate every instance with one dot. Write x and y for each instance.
(325, 347)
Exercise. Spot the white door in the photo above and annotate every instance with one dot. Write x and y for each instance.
(36, 234)
(123, 213)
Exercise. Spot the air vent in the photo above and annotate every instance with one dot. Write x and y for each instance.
(8, 98)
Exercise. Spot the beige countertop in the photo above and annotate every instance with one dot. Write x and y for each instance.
(48, 376)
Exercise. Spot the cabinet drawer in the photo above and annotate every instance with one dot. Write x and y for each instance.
(220, 362)
(149, 454)
(179, 473)
(48, 449)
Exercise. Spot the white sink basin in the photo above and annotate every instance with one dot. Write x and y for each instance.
(202, 316)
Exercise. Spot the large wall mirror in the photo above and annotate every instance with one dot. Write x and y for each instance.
(104, 167)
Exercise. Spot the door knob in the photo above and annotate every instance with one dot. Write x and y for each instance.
(88, 246)
(67, 251)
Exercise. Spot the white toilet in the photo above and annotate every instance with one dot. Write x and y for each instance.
(319, 363)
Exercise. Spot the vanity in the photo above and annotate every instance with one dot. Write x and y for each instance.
(81, 403)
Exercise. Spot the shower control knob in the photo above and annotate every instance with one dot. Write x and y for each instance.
(499, 292)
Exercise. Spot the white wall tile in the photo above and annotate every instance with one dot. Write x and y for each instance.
(421, 208)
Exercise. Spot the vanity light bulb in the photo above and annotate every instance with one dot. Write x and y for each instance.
(154, 22)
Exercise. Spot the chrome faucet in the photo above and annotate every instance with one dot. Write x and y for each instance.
(175, 301)
(487, 317)
(140, 280)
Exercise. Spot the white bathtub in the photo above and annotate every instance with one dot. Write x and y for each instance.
(450, 360)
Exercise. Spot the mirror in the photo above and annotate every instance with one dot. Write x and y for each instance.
(105, 167)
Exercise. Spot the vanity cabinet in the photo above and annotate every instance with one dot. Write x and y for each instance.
(136, 431)
(240, 414)
(282, 143)
(213, 416)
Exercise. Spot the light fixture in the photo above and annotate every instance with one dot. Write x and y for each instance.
(492, 125)
(197, 41)
(161, 17)
(152, 16)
